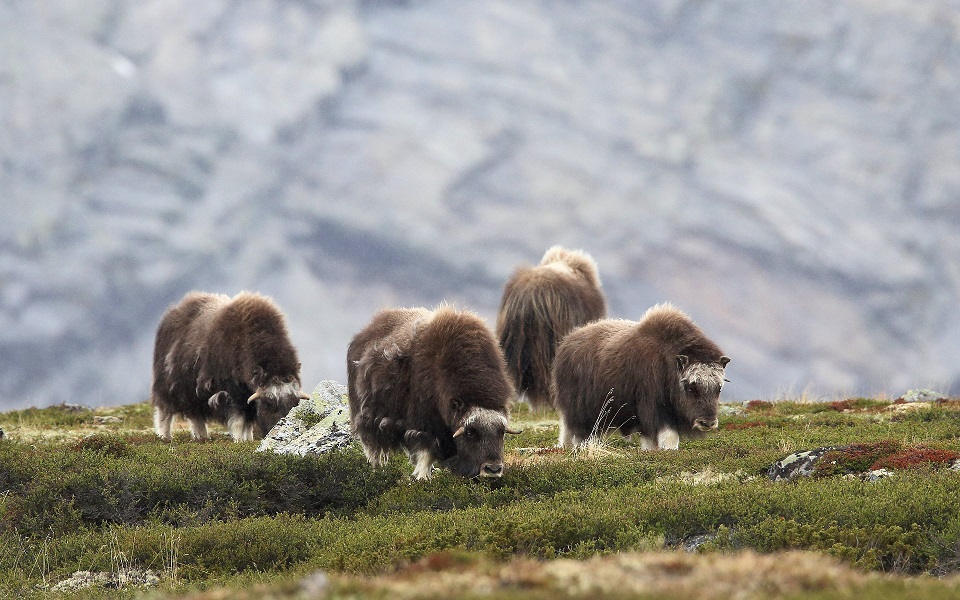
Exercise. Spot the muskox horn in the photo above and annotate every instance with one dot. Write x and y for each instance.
(303, 395)
(255, 395)
(459, 431)
(513, 431)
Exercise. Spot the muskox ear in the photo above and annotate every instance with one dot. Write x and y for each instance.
(259, 376)
(456, 404)
(682, 361)
(724, 360)
(218, 398)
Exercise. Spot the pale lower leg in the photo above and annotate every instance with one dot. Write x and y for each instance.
(422, 464)
(668, 439)
(237, 426)
(162, 423)
(567, 439)
(198, 429)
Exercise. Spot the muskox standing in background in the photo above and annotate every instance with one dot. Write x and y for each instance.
(659, 377)
(224, 359)
(432, 383)
(540, 306)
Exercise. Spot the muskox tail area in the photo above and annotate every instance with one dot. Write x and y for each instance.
(528, 340)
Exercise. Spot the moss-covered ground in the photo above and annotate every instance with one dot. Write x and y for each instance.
(96, 491)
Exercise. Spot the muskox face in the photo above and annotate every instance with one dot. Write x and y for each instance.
(479, 442)
(274, 401)
(701, 383)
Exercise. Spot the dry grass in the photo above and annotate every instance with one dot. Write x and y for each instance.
(745, 576)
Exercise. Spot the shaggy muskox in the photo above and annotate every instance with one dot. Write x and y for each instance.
(659, 377)
(433, 384)
(224, 359)
(541, 305)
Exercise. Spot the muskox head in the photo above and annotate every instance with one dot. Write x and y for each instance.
(700, 384)
(274, 399)
(479, 442)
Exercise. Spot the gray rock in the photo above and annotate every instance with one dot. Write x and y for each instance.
(732, 410)
(315, 585)
(922, 395)
(877, 475)
(315, 426)
(798, 464)
(73, 408)
(126, 578)
(693, 543)
(106, 420)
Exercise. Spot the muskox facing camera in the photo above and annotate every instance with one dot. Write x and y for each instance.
(660, 377)
(224, 359)
(540, 305)
(433, 384)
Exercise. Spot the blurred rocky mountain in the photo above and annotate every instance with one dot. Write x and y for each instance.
(787, 172)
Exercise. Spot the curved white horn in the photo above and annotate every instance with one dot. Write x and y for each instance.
(459, 431)
(303, 395)
(255, 395)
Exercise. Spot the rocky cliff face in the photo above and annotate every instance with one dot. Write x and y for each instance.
(786, 173)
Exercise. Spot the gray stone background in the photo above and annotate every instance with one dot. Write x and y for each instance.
(787, 172)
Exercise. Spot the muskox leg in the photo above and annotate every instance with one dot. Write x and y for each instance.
(647, 443)
(239, 428)
(422, 464)
(668, 439)
(162, 423)
(198, 429)
(567, 439)
(375, 456)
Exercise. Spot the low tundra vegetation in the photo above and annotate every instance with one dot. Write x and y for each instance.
(218, 519)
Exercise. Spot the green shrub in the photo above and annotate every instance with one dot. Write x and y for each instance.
(874, 547)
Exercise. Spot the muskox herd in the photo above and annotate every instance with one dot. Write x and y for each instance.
(438, 384)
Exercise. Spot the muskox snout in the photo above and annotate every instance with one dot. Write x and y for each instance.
(491, 470)
(706, 424)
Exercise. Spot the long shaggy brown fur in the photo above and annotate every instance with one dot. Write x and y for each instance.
(541, 305)
(212, 353)
(659, 374)
(416, 377)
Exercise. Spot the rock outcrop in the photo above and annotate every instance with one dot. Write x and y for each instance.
(315, 426)
(786, 173)
(798, 464)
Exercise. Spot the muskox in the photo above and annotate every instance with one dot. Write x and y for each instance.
(224, 359)
(431, 383)
(659, 377)
(541, 305)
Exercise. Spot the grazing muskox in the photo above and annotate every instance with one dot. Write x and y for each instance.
(541, 305)
(224, 359)
(659, 377)
(432, 383)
